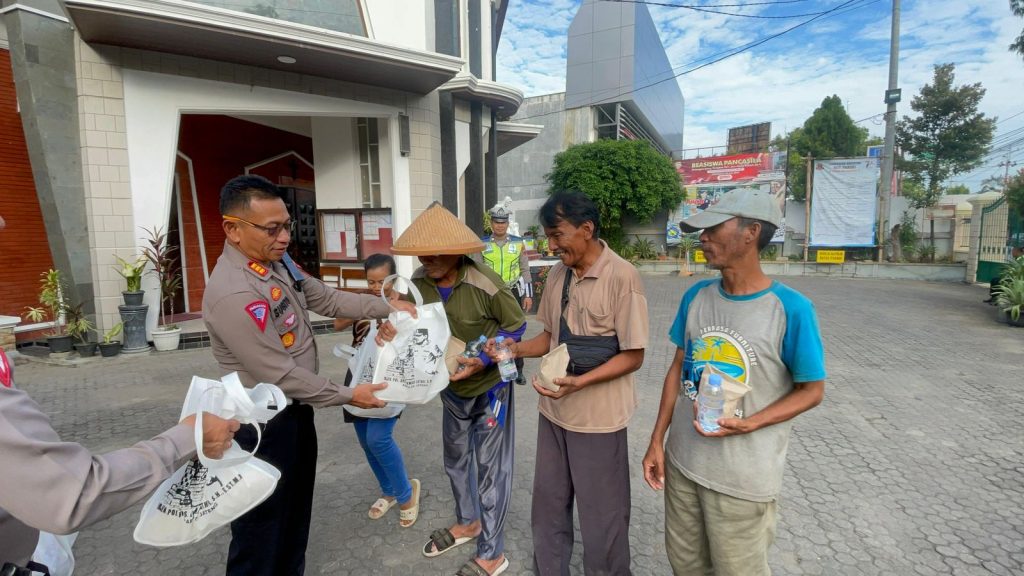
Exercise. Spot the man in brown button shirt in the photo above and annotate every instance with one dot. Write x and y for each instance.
(256, 310)
(581, 433)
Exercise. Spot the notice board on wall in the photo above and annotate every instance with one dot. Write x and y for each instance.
(352, 235)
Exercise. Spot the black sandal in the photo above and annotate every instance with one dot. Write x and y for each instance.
(441, 541)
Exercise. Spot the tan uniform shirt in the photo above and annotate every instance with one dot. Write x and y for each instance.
(60, 486)
(608, 300)
(259, 325)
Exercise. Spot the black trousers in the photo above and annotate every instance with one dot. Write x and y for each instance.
(593, 470)
(270, 540)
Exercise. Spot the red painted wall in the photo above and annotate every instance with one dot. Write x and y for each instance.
(24, 248)
(220, 148)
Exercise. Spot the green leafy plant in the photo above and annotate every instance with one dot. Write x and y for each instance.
(54, 304)
(114, 332)
(688, 244)
(1010, 297)
(77, 324)
(165, 266)
(627, 251)
(770, 252)
(621, 177)
(487, 224)
(645, 249)
(1015, 193)
(131, 272)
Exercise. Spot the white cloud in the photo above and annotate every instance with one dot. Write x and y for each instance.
(783, 80)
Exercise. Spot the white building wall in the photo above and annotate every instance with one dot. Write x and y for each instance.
(401, 22)
(336, 154)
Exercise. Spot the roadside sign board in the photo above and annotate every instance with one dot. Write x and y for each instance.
(831, 256)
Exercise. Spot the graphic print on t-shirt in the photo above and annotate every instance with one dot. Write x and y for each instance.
(722, 347)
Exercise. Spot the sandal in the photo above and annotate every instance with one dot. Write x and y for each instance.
(441, 541)
(380, 508)
(471, 568)
(407, 517)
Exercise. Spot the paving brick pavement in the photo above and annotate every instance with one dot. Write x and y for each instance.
(912, 465)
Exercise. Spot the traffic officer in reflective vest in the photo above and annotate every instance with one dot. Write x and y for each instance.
(506, 255)
(256, 309)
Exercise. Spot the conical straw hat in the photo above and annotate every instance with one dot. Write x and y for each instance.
(437, 231)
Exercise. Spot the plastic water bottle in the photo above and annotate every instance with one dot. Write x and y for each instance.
(506, 363)
(711, 403)
(472, 351)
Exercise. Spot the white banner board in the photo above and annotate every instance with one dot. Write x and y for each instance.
(844, 202)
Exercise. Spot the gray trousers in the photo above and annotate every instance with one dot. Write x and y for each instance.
(478, 459)
(593, 469)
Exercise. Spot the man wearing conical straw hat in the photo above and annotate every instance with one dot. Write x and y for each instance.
(478, 425)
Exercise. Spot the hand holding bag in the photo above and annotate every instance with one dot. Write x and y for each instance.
(206, 494)
(413, 363)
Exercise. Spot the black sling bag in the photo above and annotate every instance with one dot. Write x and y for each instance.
(585, 352)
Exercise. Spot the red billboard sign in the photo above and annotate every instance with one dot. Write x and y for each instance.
(736, 168)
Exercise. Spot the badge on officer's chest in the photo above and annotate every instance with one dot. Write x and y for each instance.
(288, 339)
(275, 293)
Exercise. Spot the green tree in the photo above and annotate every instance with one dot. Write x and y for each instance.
(1015, 193)
(957, 190)
(1017, 7)
(947, 137)
(828, 133)
(622, 177)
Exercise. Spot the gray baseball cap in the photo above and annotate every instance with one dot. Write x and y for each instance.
(742, 203)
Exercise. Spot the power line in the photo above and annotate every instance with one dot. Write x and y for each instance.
(731, 52)
(707, 9)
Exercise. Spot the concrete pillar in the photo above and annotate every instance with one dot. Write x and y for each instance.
(44, 65)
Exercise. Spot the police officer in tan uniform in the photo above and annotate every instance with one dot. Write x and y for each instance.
(58, 486)
(256, 309)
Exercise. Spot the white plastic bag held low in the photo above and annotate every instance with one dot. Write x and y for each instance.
(361, 361)
(413, 364)
(206, 494)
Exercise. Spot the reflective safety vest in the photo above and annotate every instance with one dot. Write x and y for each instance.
(504, 259)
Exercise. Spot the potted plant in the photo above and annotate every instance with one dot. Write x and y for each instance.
(78, 327)
(54, 305)
(110, 347)
(165, 266)
(132, 273)
(688, 243)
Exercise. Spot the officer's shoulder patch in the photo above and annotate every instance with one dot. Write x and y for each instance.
(258, 269)
(258, 310)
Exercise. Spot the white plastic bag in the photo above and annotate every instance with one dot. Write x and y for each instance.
(361, 362)
(206, 494)
(54, 552)
(413, 363)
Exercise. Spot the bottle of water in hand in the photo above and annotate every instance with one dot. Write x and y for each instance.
(506, 363)
(711, 404)
(472, 350)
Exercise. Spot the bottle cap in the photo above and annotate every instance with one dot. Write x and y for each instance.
(715, 380)
(499, 339)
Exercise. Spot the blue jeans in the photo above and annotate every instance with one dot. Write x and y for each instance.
(384, 457)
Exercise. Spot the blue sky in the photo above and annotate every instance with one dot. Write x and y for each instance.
(785, 79)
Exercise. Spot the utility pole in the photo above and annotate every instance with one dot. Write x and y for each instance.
(807, 205)
(892, 96)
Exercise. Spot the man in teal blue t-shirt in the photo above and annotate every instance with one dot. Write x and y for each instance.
(721, 487)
